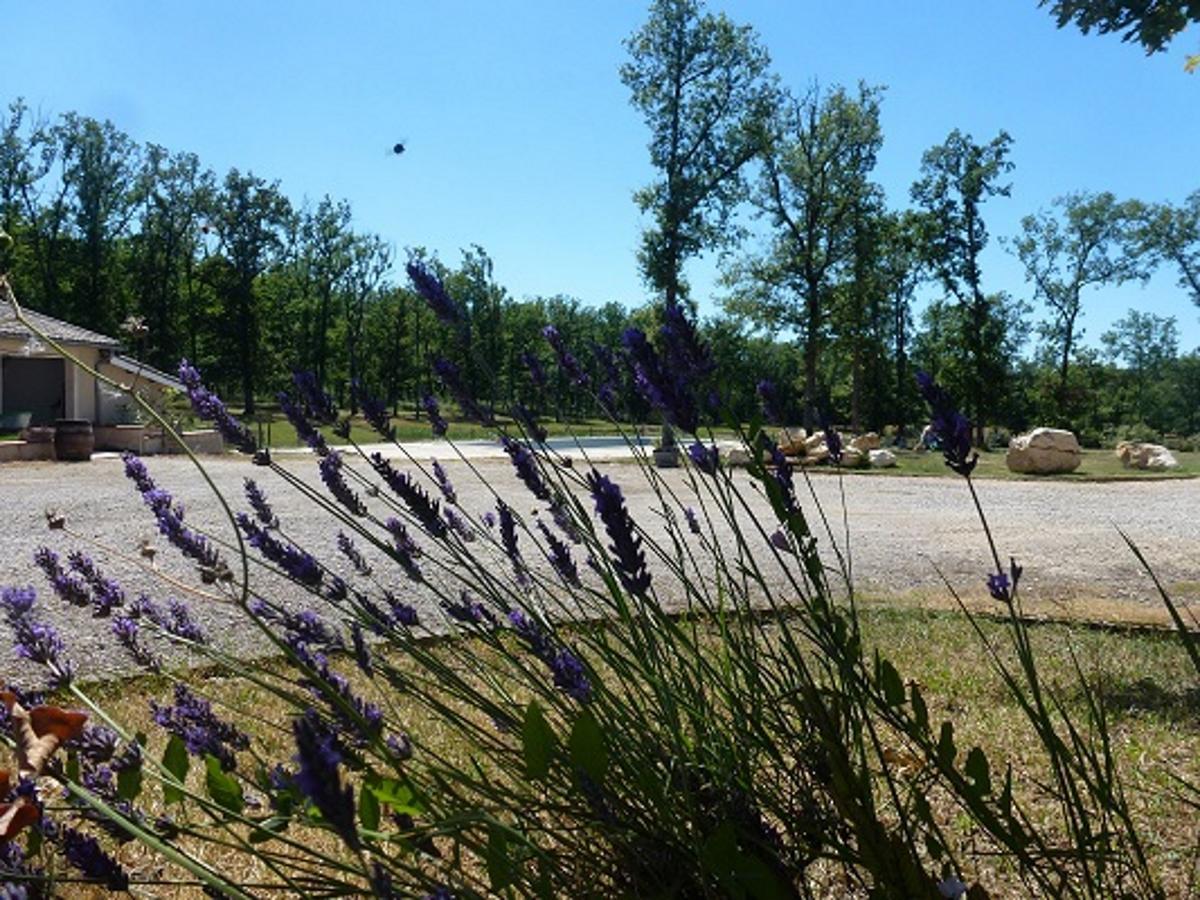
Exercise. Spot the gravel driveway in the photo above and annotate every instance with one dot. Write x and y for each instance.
(902, 530)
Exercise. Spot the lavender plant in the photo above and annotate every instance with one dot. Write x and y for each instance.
(578, 700)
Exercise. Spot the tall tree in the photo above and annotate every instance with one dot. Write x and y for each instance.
(957, 177)
(249, 217)
(699, 81)
(1151, 23)
(819, 154)
(100, 165)
(1172, 233)
(326, 256)
(1085, 243)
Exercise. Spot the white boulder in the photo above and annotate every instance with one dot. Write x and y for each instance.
(1044, 451)
(882, 459)
(865, 442)
(1154, 457)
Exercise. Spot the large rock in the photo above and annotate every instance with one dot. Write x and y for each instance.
(881, 459)
(865, 442)
(813, 441)
(791, 441)
(853, 458)
(1146, 456)
(1044, 451)
(817, 453)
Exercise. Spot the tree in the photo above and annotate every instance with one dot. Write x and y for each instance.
(249, 218)
(370, 259)
(325, 258)
(1172, 233)
(1151, 23)
(957, 178)
(818, 157)
(699, 81)
(1086, 244)
(1146, 343)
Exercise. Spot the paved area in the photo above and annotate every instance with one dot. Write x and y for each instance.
(903, 530)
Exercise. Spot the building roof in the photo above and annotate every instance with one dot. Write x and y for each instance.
(55, 329)
(133, 366)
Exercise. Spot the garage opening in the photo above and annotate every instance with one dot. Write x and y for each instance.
(37, 386)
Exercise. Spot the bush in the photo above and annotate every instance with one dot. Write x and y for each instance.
(679, 706)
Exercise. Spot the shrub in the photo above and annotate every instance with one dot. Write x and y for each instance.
(676, 705)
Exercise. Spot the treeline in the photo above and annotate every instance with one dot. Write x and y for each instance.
(819, 271)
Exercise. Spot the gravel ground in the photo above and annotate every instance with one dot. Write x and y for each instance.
(902, 529)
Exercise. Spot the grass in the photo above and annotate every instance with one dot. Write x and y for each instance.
(1149, 693)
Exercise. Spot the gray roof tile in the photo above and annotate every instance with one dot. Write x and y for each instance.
(56, 329)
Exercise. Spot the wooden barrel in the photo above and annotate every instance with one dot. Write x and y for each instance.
(73, 440)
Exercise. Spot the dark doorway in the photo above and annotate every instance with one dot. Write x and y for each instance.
(37, 386)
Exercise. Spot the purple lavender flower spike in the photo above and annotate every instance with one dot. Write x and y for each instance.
(779, 540)
(405, 550)
(434, 412)
(468, 611)
(209, 407)
(128, 633)
(833, 442)
(560, 557)
(304, 429)
(692, 522)
(630, 561)
(443, 482)
(667, 388)
(705, 457)
(489, 519)
(998, 586)
(537, 374)
(319, 756)
(85, 854)
(566, 360)
(526, 465)
(508, 540)
(296, 563)
(951, 429)
(192, 720)
(451, 377)
(70, 586)
(771, 402)
(362, 655)
(458, 525)
(783, 477)
(424, 508)
(566, 667)
(33, 640)
(260, 505)
(317, 403)
(526, 419)
(375, 411)
(352, 553)
(170, 522)
(331, 473)
(433, 292)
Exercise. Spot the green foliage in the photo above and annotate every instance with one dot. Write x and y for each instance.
(1152, 25)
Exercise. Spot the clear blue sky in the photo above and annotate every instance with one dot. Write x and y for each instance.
(521, 138)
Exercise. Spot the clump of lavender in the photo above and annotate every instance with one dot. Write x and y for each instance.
(297, 563)
(568, 670)
(434, 412)
(193, 721)
(424, 508)
(443, 482)
(629, 560)
(319, 756)
(451, 377)
(433, 292)
(209, 407)
(526, 466)
(330, 467)
(260, 505)
(566, 359)
(951, 429)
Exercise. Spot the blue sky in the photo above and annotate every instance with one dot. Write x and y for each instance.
(521, 137)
